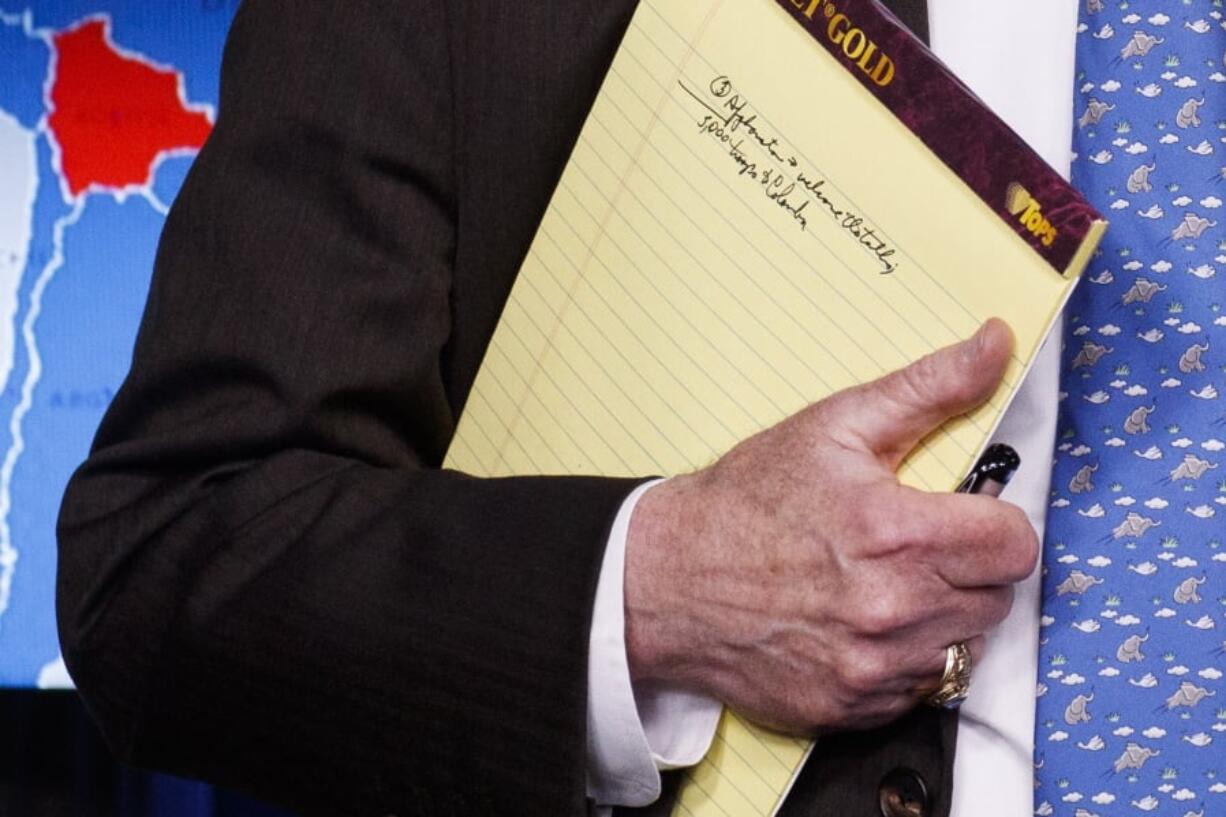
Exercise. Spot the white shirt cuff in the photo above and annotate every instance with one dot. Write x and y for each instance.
(634, 732)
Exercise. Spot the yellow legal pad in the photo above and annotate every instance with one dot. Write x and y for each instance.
(743, 229)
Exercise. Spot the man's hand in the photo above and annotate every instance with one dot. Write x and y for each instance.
(797, 581)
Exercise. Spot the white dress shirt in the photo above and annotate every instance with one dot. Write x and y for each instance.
(1019, 58)
(633, 733)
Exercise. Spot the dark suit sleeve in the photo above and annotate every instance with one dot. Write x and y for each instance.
(265, 579)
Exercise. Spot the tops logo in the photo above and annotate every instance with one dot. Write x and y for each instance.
(1029, 211)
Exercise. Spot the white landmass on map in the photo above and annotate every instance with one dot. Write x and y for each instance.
(55, 676)
(20, 162)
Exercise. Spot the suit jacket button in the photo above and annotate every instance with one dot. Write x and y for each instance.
(903, 793)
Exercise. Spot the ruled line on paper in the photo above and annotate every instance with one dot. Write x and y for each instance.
(580, 267)
(933, 344)
(931, 278)
(815, 165)
(711, 450)
(665, 331)
(829, 389)
(668, 308)
(593, 428)
(608, 377)
(592, 253)
(626, 188)
(597, 120)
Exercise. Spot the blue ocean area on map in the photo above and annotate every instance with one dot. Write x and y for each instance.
(24, 67)
(85, 354)
(170, 177)
(24, 642)
(90, 306)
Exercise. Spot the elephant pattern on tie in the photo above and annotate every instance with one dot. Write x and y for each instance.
(1131, 714)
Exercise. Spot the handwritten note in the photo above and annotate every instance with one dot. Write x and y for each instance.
(728, 118)
(741, 231)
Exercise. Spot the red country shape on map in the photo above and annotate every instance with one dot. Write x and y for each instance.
(114, 114)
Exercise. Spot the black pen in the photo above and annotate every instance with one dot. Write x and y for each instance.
(992, 472)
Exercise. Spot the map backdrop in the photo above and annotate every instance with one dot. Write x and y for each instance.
(103, 106)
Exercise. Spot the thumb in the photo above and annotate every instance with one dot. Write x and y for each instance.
(889, 416)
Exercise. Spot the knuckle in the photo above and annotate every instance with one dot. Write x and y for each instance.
(896, 707)
(867, 671)
(916, 527)
(924, 526)
(885, 527)
(880, 615)
(874, 713)
(864, 527)
(933, 381)
(919, 382)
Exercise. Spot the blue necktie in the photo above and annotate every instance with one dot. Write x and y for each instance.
(1131, 712)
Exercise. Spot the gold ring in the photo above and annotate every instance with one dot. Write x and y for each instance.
(955, 681)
